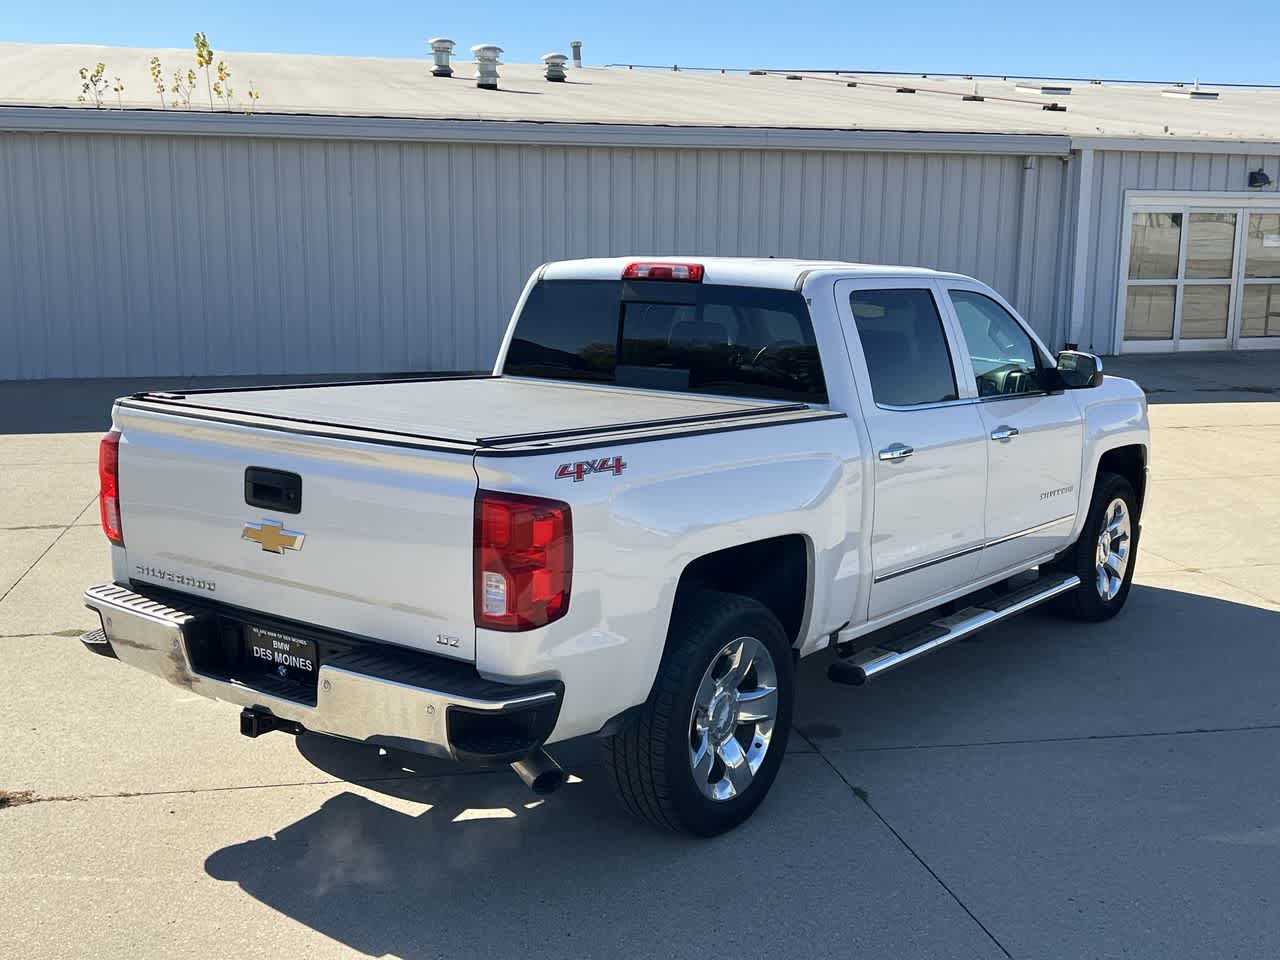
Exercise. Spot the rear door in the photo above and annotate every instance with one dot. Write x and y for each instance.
(1034, 436)
(927, 436)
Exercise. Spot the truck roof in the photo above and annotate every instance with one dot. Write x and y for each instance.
(779, 273)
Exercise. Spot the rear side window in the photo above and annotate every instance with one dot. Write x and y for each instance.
(905, 346)
(703, 338)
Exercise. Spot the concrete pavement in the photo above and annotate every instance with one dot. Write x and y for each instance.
(1049, 790)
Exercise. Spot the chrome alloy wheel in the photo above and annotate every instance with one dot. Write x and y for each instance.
(1114, 542)
(732, 720)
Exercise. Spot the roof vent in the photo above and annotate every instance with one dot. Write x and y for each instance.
(441, 50)
(756, 73)
(576, 47)
(555, 66)
(1044, 89)
(974, 97)
(486, 55)
(906, 90)
(794, 76)
(1190, 93)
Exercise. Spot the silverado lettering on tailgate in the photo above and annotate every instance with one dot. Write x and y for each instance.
(155, 573)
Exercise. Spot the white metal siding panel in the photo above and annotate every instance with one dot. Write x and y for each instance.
(155, 255)
(1042, 300)
(1118, 171)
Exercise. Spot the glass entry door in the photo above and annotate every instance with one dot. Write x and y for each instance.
(1179, 294)
(1201, 276)
(1260, 304)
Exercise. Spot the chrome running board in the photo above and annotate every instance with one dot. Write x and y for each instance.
(865, 664)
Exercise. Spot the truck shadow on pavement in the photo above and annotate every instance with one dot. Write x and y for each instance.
(490, 869)
(486, 864)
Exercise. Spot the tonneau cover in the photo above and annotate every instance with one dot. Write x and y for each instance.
(478, 410)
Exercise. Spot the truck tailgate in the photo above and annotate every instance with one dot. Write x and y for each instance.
(380, 546)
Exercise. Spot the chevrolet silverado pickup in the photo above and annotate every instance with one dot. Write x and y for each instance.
(680, 477)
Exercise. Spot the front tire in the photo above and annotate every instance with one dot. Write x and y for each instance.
(707, 744)
(1104, 556)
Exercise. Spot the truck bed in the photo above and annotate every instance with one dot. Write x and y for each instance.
(460, 413)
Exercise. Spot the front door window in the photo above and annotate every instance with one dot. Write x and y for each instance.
(1005, 361)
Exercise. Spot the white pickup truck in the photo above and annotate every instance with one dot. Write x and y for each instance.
(680, 477)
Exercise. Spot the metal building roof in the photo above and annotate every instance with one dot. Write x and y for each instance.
(46, 75)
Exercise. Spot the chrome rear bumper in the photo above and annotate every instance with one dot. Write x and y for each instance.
(378, 695)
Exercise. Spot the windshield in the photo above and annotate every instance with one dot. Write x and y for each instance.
(696, 338)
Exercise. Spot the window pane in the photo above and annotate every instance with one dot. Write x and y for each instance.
(1262, 254)
(739, 341)
(1148, 313)
(1004, 358)
(906, 350)
(1204, 311)
(1211, 246)
(1153, 246)
(568, 330)
(1260, 315)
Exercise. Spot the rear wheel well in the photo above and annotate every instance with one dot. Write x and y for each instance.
(1129, 462)
(773, 572)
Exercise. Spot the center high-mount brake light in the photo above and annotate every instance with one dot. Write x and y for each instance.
(645, 270)
(523, 561)
(109, 486)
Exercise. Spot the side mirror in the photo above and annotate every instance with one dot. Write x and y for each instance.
(1079, 370)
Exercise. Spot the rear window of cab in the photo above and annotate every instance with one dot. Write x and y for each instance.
(694, 338)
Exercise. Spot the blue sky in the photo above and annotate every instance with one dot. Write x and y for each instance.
(1116, 40)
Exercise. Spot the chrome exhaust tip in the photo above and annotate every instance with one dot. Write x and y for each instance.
(539, 772)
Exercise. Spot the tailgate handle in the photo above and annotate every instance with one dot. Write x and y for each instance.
(275, 490)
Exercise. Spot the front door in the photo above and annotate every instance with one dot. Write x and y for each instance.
(927, 436)
(1179, 293)
(1034, 436)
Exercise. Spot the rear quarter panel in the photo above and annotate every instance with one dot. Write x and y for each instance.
(679, 498)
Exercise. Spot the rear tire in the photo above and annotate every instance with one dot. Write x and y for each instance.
(708, 704)
(1105, 555)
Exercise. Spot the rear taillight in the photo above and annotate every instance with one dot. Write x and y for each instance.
(645, 270)
(109, 486)
(523, 561)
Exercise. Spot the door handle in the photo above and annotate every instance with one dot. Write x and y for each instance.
(1004, 433)
(896, 452)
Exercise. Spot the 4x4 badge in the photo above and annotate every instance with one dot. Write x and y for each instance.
(272, 536)
(584, 468)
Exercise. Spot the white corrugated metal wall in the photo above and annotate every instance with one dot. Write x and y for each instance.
(155, 254)
(1116, 171)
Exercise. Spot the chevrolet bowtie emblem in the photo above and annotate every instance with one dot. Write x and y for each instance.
(272, 536)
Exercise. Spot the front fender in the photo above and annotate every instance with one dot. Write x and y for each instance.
(1115, 415)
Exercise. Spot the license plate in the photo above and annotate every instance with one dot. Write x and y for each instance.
(289, 657)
